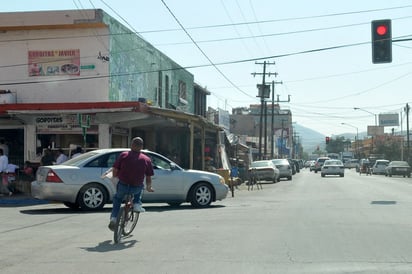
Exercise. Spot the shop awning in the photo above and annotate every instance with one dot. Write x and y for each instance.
(81, 107)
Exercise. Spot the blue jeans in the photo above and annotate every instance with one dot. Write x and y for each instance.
(121, 191)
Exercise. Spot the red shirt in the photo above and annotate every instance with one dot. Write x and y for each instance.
(133, 167)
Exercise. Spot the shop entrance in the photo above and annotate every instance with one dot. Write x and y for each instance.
(14, 139)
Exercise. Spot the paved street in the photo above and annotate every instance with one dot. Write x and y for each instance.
(355, 224)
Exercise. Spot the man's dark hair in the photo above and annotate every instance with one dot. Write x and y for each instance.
(137, 141)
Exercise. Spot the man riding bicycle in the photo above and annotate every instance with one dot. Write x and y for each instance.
(131, 168)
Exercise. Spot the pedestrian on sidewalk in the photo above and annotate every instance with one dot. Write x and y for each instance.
(4, 162)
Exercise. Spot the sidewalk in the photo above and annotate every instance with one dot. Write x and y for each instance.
(19, 199)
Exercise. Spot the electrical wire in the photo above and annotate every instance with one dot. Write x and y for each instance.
(283, 19)
(203, 53)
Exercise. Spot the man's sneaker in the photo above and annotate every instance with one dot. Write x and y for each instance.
(138, 208)
(112, 224)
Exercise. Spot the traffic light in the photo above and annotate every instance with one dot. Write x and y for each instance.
(381, 41)
(327, 139)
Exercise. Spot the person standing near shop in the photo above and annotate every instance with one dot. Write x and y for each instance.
(131, 167)
(4, 162)
(78, 152)
(47, 159)
(61, 157)
(4, 147)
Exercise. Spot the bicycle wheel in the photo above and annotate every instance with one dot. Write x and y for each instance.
(117, 233)
(130, 221)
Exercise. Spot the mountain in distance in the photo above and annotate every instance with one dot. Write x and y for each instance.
(311, 139)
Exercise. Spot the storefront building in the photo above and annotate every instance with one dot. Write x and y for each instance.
(80, 78)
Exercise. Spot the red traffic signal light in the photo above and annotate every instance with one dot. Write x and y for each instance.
(381, 41)
(327, 139)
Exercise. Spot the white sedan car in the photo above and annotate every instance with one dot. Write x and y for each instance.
(264, 170)
(78, 184)
(332, 167)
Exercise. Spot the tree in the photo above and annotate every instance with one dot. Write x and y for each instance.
(336, 145)
(389, 147)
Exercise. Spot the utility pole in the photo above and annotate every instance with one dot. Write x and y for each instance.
(272, 145)
(264, 91)
(281, 141)
(407, 132)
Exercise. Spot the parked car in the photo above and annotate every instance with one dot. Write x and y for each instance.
(312, 165)
(293, 166)
(352, 163)
(78, 183)
(297, 165)
(285, 171)
(379, 167)
(401, 168)
(333, 167)
(265, 170)
(319, 163)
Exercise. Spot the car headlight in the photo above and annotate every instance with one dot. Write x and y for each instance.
(222, 180)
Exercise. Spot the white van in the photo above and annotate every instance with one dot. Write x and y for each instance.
(352, 163)
(379, 166)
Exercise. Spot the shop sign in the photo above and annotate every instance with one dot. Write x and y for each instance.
(120, 131)
(62, 119)
(54, 62)
(68, 128)
(63, 124)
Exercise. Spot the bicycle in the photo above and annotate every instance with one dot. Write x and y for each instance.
(126, 219)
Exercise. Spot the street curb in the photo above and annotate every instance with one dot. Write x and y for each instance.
(18, 199)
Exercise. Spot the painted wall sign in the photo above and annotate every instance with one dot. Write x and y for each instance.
(54, 62)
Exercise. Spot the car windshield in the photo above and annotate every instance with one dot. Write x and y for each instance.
(333, 162)
(280, 162)
(79, 159)
(260, 164)
(399, 163)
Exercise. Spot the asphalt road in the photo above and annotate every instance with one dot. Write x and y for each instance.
(355, 224)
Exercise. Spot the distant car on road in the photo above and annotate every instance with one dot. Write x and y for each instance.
(285, 171)
(352, 163)
(265, 170)
(319, 163)
(379, 167)
(333, 167)
(312, 165)
(401, 168)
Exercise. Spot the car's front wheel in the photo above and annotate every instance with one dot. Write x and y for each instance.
(201, 195)
(92, 197)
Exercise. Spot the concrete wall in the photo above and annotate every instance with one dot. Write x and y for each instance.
(114, 63)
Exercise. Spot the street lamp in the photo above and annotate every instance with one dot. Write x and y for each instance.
(376, 120)
(357, 137)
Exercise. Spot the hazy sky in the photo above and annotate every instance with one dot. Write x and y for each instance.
(221, 41)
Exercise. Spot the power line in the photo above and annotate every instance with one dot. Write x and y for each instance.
(282, 20)
(194, 66)
(203, 53)
(274, 34)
